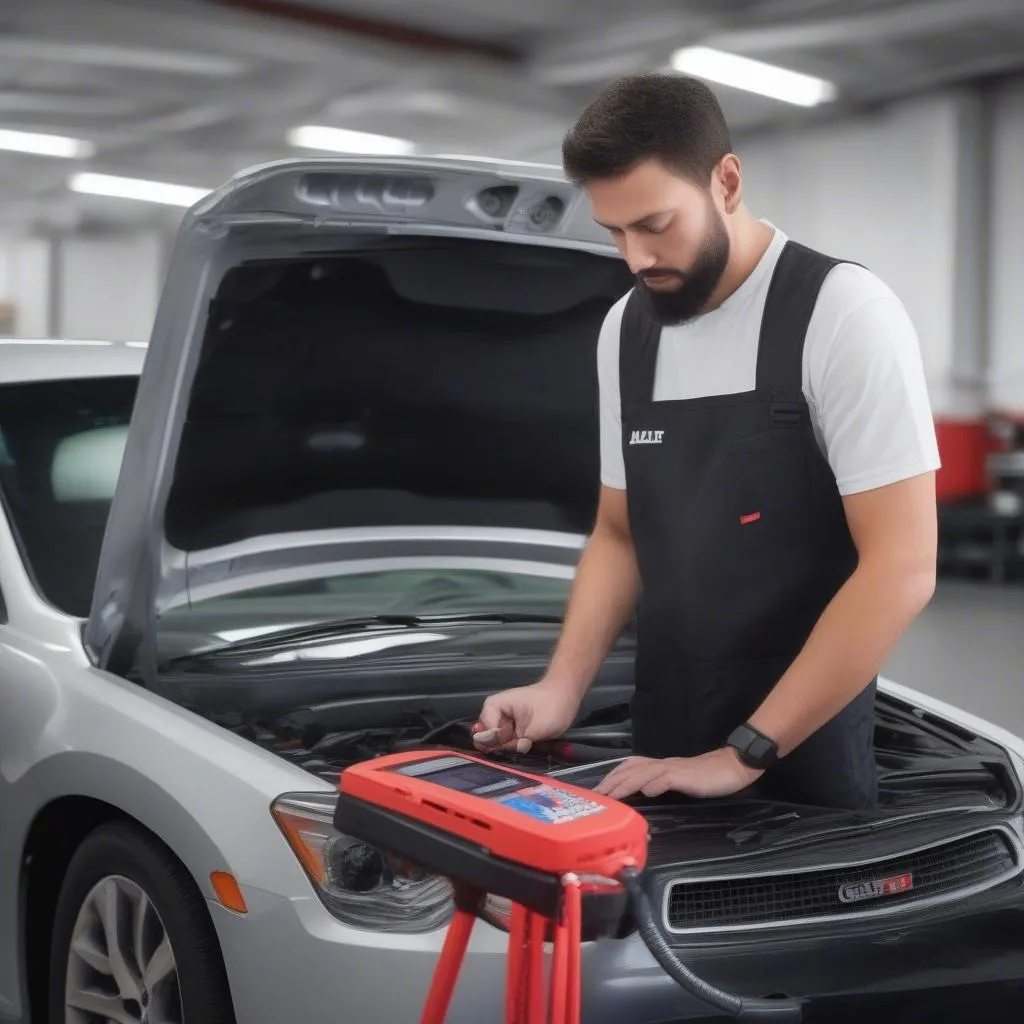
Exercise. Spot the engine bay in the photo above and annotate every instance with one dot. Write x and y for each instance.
(923, 762)
(310, 739)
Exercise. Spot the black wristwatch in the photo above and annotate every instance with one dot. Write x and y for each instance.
(754, 748)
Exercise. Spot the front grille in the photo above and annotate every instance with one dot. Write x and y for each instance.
(938, 872)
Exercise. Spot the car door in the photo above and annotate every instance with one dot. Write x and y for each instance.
(61, 439)
(20, 676)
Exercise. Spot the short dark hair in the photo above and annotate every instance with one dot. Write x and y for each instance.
(672, 118)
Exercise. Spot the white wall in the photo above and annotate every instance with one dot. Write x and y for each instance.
(1006, 300)
(83, 287)
(5, 263)
(108, 288)
(25, 280)
(880, 190)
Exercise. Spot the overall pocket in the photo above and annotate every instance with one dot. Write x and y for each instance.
(773, 520)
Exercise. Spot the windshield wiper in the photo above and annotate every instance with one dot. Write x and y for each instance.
(276, 639)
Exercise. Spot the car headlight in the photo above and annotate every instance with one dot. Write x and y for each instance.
(497, 910)
(360, 885)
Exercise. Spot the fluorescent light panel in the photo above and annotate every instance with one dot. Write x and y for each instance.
(753, 76)
(15, 47)
(136, 188)
(344, 140)
(53, 341)
(39, 144)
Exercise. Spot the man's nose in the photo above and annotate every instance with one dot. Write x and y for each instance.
(636, 255)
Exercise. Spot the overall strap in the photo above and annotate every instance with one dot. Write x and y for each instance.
(792, 294)
(639, 337)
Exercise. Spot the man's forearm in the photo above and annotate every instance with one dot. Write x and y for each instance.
(847, 648)
(604, 597)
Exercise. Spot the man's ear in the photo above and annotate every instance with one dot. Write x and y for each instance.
(729, 182)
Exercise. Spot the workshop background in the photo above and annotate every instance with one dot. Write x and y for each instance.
(902, 151)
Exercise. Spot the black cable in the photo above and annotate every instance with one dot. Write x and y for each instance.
(735, 1006)
(440, 730)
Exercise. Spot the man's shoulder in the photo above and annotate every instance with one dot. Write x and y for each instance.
(851, 293)
(858, 320)
(608, 341)
(849, 286)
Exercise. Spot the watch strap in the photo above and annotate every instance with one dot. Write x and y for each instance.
(754, 748)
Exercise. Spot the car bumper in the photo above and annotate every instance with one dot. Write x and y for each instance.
(289, 960)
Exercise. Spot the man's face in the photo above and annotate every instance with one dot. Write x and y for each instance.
(670, 233)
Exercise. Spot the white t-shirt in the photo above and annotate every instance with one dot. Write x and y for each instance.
(862, 374)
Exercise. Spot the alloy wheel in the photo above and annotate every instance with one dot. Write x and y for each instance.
(121, 967)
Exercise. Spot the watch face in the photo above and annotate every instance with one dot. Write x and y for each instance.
(752, 758)
(755, 750)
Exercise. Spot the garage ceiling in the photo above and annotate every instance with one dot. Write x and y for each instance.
(189, 91)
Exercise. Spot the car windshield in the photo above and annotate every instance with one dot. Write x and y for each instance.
(61, 444)
(415, 591)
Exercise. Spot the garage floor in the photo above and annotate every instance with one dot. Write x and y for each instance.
(968, 648)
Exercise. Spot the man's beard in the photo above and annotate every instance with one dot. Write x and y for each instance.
(671, 308)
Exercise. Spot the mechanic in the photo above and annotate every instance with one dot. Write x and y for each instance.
(768, 456)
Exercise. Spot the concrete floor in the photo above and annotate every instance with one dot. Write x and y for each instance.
(968, 648)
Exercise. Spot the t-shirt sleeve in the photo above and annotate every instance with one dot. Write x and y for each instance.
(871, 398)
(613, 469)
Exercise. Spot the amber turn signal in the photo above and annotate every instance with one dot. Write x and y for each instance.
(228, 892)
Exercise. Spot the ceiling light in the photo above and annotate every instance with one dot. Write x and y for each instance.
(44, 145)
(343, 140)
(14, 47)
(65, 342)
(753, 76)
(136, 188)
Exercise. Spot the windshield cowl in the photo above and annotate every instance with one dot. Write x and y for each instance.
(347, 638)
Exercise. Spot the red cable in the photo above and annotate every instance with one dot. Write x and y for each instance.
(565, 968)
(525, 988)
(559, 973)
(447, 971)
(517, 967)
(574, 940)
(537, 928)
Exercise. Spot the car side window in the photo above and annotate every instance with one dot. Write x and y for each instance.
(63, 441)
(5, 465)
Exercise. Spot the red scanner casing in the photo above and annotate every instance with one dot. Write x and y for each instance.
(536, 821)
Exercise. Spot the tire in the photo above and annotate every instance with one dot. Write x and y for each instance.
(122, 874)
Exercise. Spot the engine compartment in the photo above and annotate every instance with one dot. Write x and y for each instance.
(925, 763)
(312, 739)
(934, 776)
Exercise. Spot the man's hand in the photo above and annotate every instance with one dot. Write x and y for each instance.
(718, 773)
(516, 719)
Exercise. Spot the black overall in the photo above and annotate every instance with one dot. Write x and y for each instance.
(741, 541)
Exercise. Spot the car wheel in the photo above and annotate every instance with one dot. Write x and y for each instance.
(132, 939)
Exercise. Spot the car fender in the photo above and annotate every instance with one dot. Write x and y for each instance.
(983, 727)
(201, 790)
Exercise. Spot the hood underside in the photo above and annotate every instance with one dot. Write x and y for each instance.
(428, 382)
(343, 345)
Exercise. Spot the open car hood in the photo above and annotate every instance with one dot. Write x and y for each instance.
(327, 327)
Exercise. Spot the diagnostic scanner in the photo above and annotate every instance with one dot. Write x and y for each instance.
(568, 859)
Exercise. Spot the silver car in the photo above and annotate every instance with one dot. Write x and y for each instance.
(335, 503)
